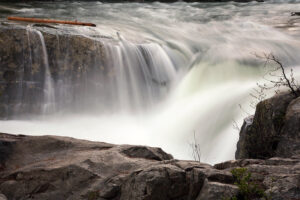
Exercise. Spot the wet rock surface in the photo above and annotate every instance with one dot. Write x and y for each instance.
(52, 167)
(72, 63)
(46, 68)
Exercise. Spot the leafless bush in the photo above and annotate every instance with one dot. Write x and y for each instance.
(276, 82)
(196, 150)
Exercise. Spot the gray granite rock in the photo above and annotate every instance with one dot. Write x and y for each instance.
(53, 167)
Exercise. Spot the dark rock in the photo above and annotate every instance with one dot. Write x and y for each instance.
(196, 179)
(275, 131)
(151, 183)
(146, 152)
(221, 177)
(281, 161)
(217, 191)
(289, 143)
(241, 151)
(51, 167)
(283, 187)
(80, 67)
(279, 177)
(295, 13)
(237, 163)
(260, 139)
(62, 168)
(23, 69)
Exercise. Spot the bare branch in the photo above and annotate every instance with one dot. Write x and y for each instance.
(283, 80)
(196, 149)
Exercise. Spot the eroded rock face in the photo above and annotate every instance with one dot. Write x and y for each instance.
(279, 176)
(45, 69)
(289, 143)
(72, 62)
(60, 168)
(50, 167)
(274, 130)
(215, 190)
(145, 152)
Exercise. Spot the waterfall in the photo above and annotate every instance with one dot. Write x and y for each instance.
(143, 73)
(48, 104)
(171, 70)
(49, 95)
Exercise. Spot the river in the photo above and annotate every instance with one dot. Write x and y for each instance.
(201, 56)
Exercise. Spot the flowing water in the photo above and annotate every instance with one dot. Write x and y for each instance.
(181, 69)
(49, 96)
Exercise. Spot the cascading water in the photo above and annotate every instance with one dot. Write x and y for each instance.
(49, 96)
(158, 73)
(142, 71)
(48, 85)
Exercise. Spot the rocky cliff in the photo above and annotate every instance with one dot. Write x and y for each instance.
(48, 68)
(274, 130)
(31, 75)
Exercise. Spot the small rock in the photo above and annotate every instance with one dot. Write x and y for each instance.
(217, 191)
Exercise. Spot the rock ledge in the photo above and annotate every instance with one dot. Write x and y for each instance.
(60, 168)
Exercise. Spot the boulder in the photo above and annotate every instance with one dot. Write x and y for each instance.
(63, 168)
(145, 152)
(215, 190)
(279, 177)
(289, 143)
(273, 136)
(52, 167)
(272, 131)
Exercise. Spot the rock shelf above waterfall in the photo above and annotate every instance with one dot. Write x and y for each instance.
(47, 68)
(30, 73)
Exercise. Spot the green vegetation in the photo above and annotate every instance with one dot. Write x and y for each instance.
(248, 189)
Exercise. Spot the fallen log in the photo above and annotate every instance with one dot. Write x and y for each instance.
(295, 13)
(37, 20)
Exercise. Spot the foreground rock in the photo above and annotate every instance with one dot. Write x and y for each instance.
(274, 130)
(60, 168)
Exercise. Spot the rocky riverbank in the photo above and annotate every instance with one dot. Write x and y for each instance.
(52, 167)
